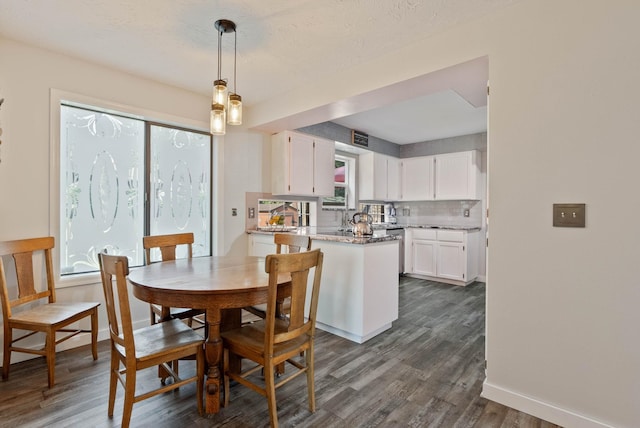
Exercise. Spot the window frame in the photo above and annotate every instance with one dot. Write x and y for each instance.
(349, 184)
(59, 97)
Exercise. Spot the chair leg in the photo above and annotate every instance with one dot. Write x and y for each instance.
(174, 366)
(6, 360)
(200, 383)
(310, 378)
(152, 314)
(270, 389)
(94, 333)
(113, 380)
(50, 349)
(225, 371)
(129, 396)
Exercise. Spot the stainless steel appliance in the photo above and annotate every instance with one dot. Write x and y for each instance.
(399, 232)
(390, 213)
(361, 224)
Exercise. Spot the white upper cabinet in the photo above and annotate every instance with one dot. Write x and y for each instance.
(324, 167)
(417, 179)
(301, 165)
(448, 176)
(457, 175)
(379, 177)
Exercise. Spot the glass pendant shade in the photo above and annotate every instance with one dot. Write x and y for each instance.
(235, 110)
(226, 107)
(220, 92)
(218, 119)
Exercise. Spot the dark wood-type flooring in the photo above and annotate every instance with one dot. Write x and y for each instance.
(427, 371)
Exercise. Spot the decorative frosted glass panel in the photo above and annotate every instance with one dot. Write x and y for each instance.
(102, 179)
(180, 198)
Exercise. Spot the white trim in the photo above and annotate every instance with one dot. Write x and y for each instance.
(537, 408)
(351, 336)
(56, 97)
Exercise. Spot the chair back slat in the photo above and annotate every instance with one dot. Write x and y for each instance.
(298, 265)
(167, 245)
(114, 271)
(23, 252)
(24, 274)
(295, 243)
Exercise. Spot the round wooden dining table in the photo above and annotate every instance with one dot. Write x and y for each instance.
(218, 285)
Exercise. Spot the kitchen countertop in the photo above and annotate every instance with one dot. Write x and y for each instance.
(336, 234)
(332, 234)
(431, 226)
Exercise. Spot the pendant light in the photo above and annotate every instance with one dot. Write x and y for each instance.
(235, 100)
(222, 99)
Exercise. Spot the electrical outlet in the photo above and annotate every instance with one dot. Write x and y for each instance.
(252, 213)
(466, 212)
(234, 212)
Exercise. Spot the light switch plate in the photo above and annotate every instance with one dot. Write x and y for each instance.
(569, 215)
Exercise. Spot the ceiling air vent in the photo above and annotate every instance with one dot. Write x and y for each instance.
(359, 138)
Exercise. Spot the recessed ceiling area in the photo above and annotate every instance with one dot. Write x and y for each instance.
(445, 103)
(430, 117)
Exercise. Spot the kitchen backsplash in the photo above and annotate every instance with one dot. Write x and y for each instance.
(443, 213)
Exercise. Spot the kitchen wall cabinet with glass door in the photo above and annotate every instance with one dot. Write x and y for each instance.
(301, 165)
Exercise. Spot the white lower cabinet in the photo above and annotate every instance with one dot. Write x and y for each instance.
(447, 255)
(424, 256)
(451, 257)
(261, 245)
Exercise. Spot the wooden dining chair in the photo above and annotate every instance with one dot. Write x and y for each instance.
(51, 317)
(150, 346)
(293, 244)
(167, 244)
(273, 341)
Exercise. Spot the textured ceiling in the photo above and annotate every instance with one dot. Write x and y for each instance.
(282, 44)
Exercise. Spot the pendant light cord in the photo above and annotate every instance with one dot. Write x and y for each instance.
(219, 54)
(235, 60)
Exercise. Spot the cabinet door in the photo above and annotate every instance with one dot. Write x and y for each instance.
(393, 179)
(379, 177)
(301, 164)
(324, 167)
(451, 260)
(456, 175)
(424, 257)
(366, 176)
(261, 245)
(417, 179)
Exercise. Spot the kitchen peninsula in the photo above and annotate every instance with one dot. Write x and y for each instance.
(359, 288)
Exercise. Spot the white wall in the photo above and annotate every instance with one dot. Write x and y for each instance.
(247, 168)
(562, 304)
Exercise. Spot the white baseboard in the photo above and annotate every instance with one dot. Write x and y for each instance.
(539, 409)
(351, 336)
